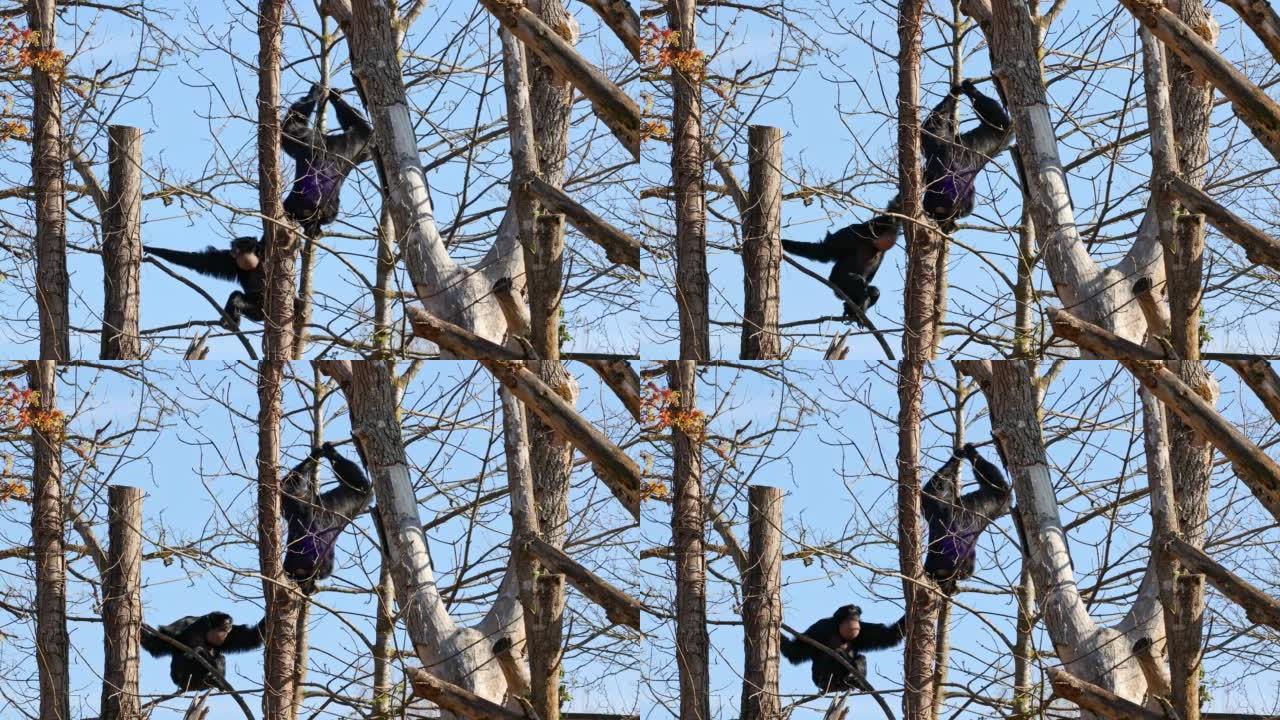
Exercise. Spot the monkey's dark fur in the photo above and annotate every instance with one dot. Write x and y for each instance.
(827, 673)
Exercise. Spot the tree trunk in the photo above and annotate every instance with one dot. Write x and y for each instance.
(277, 589)
(281, 603)
(122, 605)
(1078, 281)
(691, 281)
(460, 295)
(762, 605)
(551, 459)
(277, 233)
(122, 245)
(762, 245)
(1191, 462)
(550, 97)
(462, 656)
(46, 176)
(919, 655)
(47, 525)
(687, 523)
(1099, 655)
(47, 155)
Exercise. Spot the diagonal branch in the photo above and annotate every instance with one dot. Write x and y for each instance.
(1098, 700)
(620, 608)
(1251, 104)
(622, 19)
(1258, 606)
(1251, 464)
(617, 471)
(1263, 380)
(1259, 247)
(612, 105)
(618, 246)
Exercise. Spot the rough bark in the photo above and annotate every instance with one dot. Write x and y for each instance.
(762, 245)
(47, 524)
(1164, 169)
(762, 605)
(688, 518)
(919, 654)
(122, 245)
(47, 157)
(281, 602)
(689, 186)
(1191, 461)
(1250, 103)
(277, 234)
(551, 459)
(122, 605)
(462, 656)
(1190, 104)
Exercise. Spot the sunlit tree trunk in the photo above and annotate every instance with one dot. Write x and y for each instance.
(691, 281)
(47, 524)
(688, 518)
(122, 605)
(47, 156)
(919, 656)
(122, 245)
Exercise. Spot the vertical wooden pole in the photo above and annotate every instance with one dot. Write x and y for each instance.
(122, 245)
(762, 245)
(122, 605)
(762, 604)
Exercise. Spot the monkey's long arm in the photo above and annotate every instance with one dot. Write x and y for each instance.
(245, 637)
(211, 261)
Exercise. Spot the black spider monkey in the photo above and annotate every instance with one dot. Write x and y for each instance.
(323, 161)
(209, 636)
(956, 523)
(243, 263)
(857, 251)
(317, 520)
(845, 633)
(952, 160)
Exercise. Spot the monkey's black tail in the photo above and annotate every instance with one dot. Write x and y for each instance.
(794, 651)
(822, 252)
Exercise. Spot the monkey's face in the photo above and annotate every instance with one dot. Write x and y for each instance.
(245, 252)
(218, 633)
(850, 627)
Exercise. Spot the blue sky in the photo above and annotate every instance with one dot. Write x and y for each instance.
(198, 111)
(217, 508)
(836, 467)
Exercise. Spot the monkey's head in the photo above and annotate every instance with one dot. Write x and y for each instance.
(247, 252)
(219, 628)
(849, 620)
